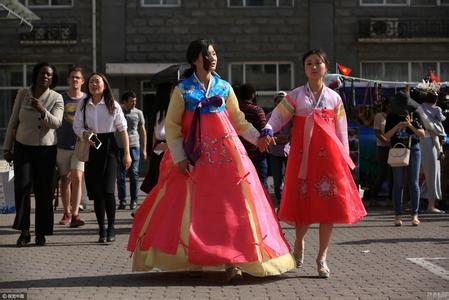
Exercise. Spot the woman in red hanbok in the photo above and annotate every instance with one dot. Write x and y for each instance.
(208, 209)
(318, 187)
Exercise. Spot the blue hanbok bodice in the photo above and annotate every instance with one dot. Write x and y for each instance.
(193, 92)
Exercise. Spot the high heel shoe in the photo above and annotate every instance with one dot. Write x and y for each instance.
(23, 240)
(40, 240)
(298, 254)
(233, 274)
(323, 269)
(102, 238)
(111, 234)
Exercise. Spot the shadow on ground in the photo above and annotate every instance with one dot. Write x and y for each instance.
(147, 279)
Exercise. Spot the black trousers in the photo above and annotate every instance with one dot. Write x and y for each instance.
(384, 172)
(34, 169)
(101, 175)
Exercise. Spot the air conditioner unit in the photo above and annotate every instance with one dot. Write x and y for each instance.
(384, 28)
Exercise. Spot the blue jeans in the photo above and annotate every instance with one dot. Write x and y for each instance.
(278, 164)
(399, 177)
(133, 173)
(262, 169)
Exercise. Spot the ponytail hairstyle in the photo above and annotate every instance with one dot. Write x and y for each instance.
(197, 47)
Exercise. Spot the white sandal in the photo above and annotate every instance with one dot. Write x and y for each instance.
(298, 254)
(323, 269)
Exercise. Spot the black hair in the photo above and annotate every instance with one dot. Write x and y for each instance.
(37, 67)
(197, 47)
(107, 93)
(162, 99)
(246, 92)
(431, 97)
(318, 52)
(128, 94)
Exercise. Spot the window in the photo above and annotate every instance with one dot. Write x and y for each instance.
(384, 2)
(161, 2)
(420, 69)
(267, 78)
(403, 71)
(48, 3)
(404, 2)
(260, 3)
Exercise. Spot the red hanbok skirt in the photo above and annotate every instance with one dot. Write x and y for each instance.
(328, 193)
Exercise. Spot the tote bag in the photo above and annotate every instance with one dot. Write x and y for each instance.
(82, 148)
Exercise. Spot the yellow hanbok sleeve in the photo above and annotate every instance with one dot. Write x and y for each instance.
(244, 128)
(173, 126)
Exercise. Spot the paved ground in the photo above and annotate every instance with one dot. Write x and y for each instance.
(372, 259)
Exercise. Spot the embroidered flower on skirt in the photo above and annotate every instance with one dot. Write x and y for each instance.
(325, 187)
(302, 188)
(214, 150)
(322, 153)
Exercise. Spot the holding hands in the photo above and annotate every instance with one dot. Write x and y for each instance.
(266, 140)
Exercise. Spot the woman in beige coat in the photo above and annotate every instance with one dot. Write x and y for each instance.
(37, 112)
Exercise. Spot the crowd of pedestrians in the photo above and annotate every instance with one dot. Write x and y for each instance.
(416, 125)
(211, 148)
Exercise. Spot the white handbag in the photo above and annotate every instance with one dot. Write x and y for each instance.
(399, 155)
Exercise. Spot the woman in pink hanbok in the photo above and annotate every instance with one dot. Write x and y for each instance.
(318, 187)
(208, 209)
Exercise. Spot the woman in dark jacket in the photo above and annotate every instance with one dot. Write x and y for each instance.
(404, 126)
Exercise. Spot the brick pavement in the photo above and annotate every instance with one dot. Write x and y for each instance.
(368, 260)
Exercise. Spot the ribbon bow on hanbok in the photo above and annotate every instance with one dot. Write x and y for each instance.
(192, 144)
(315, 118)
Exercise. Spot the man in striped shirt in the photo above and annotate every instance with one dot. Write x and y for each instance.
(246, 95)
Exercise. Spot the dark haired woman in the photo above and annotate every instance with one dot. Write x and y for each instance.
(156, 127)
(405, 126)
(209, 209)
(319, 138)
(37, 112)
(101, 115)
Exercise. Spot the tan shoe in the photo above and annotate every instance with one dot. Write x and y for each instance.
(233, 274)
(397, 221)
(415, 221)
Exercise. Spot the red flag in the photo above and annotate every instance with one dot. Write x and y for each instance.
(434, 77)
(344, 70)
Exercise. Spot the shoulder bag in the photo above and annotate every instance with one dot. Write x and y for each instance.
(399, 155)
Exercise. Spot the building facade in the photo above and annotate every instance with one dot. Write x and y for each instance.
(257, 41)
